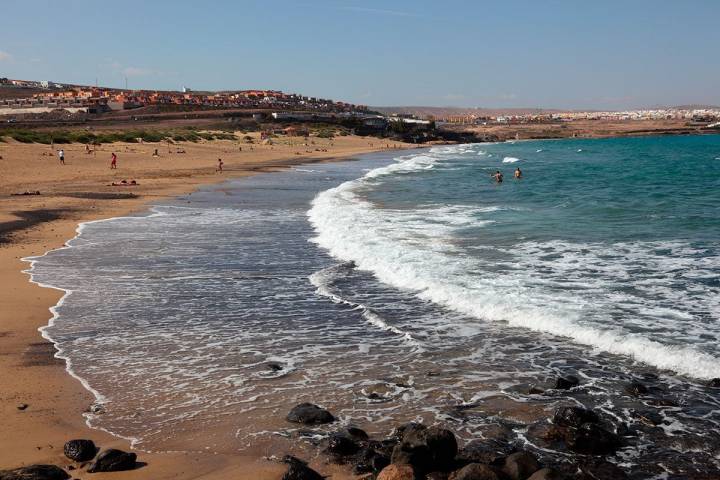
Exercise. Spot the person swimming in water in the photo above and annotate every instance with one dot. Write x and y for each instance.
(518, 173)
(498, 176)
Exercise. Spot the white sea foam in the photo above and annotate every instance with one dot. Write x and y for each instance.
(382, 242)
(510, 160)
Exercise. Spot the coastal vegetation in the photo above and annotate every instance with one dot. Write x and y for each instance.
(48, 137)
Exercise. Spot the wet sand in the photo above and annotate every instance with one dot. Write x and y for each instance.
(32, 224)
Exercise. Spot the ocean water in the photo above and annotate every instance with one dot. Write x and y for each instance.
(412, 287)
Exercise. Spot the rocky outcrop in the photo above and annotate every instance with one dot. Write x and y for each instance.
(520, 465)
(591, 439)
(574, 416)
(80, 450)
(299, 470)
(35, 472)
(309, 414)
(113, 460)
(426, 449)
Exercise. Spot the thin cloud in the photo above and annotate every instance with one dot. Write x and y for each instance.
(454, 96)
(5, 56)
(381, 11)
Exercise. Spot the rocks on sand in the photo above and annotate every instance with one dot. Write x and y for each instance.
(113, 460)
(299, 470)
(35, 472)
(309, 414)
(80, 450)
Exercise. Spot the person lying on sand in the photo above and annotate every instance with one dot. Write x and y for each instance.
(36, 192)
(124, 183)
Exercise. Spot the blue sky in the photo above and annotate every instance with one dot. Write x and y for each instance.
(563, 54)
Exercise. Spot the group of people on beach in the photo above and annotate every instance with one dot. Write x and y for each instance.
(498, 176)
(113, 157)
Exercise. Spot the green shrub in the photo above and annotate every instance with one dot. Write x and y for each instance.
(326, 133)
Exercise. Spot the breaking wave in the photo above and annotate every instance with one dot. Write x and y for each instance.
(404, 249)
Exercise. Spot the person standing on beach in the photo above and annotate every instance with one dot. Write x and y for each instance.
(219, 166)
(113, 161)
(61, 156)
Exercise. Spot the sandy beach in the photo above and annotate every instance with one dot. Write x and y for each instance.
(30, 225)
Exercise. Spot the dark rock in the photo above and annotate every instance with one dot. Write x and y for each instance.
(356, 433)
(546, 474)
(22, 406)
(443, 447)
(379, 462)
(426, 449)
(567, 382)
(275, 367)
(113, 460)
(437, 476)
(35, 472)
(520, 465)
(299, 470)
(400, 431)
(535, 391)
(477, 471)
(485, 451)
(80, 450)
(591, 439)
(602, 470)
(714, 383)
(648, 417)
(417, 455)
(662, 402)
(545, 434)
(574, 416)
(341, 444)
(386, 446)
(636, 389)
(371, 460)
(309, 414)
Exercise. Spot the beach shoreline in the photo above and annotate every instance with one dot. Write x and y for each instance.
(41, 402)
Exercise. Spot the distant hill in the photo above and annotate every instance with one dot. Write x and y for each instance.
(440, 112)
(449, 111)
(696, 107)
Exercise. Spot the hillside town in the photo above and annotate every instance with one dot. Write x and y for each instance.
(49, 95)
(700, 114)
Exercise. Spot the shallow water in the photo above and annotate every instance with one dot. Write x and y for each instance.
(412, 288)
